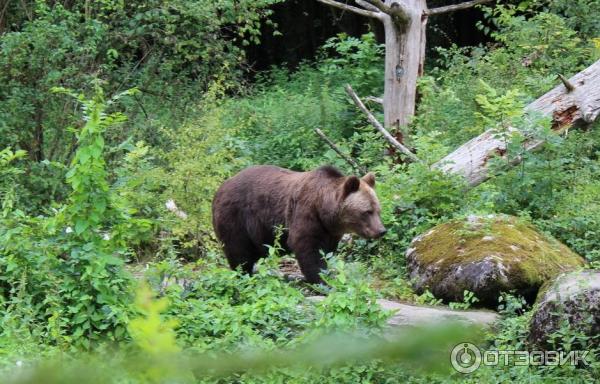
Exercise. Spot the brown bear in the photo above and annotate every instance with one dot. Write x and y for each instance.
(315, 209)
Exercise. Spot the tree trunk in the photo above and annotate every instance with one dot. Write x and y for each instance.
(404, 57)
(37, 151)
(576, 101)
(404, 24)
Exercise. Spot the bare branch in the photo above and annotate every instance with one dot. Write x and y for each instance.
(346, 7)
(456, 7)
(367, 5)
(378, 100)
(570, 87)
(337, 150)
(397, 11)
(378, 125)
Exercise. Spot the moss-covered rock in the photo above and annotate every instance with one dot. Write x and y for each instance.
(486, 255)
(568, 306)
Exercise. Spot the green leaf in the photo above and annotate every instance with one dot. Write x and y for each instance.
(81, 225)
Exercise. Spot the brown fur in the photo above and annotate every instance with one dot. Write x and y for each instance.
(315, 208)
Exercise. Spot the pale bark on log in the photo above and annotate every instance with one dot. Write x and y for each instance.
(565, 107)
(378, 100)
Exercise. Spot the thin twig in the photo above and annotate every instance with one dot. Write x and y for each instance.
(2, 14)
(351, 8)
(337, 150)
(456, 7)
(380, 127)
(141, 105)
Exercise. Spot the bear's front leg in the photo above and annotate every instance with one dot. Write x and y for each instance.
(307, 251)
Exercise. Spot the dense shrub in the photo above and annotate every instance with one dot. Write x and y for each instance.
(171, 51)
(279, 118)
(62, 276)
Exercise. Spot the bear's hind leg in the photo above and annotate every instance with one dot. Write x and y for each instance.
(241, 253)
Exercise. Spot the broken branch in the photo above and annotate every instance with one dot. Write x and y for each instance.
(570, 87)
(456, 7)
(346, 7)
(367, 5)
(358, 102)
(337, 150)
(396, 10)
(378, 100)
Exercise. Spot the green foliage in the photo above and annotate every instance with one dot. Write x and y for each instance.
(66, 271)
(332, 359)
(350, 301)
(81, 198)
(531, 51)
(202, 155)
(468, 300)
(279, 118)
(579, 15)
(428, 298)
(418, 197)
(8, 175)
(174, 184)
(153, 335)
(171, 50)
(358, 60)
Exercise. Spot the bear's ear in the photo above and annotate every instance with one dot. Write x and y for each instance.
(369, 178)
(351, 184)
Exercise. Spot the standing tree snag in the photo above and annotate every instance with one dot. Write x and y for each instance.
(404, 23)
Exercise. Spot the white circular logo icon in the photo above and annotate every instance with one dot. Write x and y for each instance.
(465, 357)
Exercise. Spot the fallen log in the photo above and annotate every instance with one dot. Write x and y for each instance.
(409, 315)
(575, 102)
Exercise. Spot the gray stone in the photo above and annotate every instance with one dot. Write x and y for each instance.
(574, 299)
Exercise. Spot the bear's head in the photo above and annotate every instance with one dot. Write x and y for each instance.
(360, 211)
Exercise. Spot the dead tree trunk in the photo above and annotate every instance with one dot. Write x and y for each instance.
(576, 101)
(404, 58)
(404, 23)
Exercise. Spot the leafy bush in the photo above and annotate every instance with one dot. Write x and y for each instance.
(279, 118)
(63, 276)
(530, 53)
(171, 51)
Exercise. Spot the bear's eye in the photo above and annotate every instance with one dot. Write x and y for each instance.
(368, 213)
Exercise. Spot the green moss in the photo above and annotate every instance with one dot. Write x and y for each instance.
(528, 256)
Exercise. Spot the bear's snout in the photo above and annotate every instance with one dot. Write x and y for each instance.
(373, 232)
(381, 232)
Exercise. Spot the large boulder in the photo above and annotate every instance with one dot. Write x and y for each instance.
(486, 255)
(571, 301)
